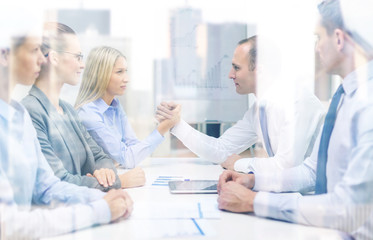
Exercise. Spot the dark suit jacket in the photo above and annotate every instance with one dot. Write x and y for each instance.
(58, 146)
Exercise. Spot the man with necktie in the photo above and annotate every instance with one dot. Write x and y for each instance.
(286, 126)
(340, 167)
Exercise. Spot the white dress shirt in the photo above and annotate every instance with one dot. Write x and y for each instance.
(348, 204)
(26, 181)
(292, 125)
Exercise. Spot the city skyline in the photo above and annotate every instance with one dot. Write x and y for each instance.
(197, 69)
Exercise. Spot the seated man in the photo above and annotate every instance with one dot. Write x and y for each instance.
(287, 124)
(340, 167)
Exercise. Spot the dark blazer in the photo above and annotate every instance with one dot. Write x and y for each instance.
(59, 148)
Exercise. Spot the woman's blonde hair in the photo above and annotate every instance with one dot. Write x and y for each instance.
(97, 73)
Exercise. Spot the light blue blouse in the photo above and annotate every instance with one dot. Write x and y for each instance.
(110, 128)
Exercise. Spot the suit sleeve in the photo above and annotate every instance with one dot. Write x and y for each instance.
(55, 162)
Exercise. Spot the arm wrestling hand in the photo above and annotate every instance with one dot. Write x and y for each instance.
(165, 110)
(168, 123)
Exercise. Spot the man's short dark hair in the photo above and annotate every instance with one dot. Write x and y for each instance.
(252, 52)
(331, 15)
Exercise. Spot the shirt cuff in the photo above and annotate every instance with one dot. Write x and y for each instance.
(243, 165)
(95, 194)
(181, 129)
(155, 137)
(283, 206)
(262, 181)
(261, 204)
(101, 211)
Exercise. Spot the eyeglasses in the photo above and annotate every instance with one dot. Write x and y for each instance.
(78, 56)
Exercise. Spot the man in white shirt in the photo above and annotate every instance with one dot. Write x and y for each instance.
(287, 126)
(341, 165)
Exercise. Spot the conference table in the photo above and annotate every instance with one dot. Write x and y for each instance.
(159, 214)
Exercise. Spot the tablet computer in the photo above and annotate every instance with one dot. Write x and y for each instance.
(193, 186)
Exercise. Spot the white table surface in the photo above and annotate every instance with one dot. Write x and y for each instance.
(229, 226)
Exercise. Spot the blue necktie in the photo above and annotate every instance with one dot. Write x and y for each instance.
(264, 127)
(324, 142)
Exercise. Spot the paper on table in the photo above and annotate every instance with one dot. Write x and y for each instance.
(176, 210)
(163, 180)
(162, 228)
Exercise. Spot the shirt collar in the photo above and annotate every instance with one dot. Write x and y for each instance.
(8, 111)
(358, 77)
(102, 105)
(5, 110)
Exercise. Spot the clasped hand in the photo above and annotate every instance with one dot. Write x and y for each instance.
(235, 192)
(120, 204)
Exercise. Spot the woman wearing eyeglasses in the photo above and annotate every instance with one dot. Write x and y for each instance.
(71, 152)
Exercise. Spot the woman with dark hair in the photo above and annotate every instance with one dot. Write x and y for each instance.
(71, 152)
(26, 180)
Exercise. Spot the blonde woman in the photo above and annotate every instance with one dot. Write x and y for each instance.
(71, 152)
(105, 77)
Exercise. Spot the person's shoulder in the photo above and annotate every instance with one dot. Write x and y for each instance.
(91, 109)
(281, 96)
(90, 113)
(363, 98)
(28, 116)
(34, 107)
(250, 113)
(35, 98)
(119, 107)
(30, 102)
(18, 106)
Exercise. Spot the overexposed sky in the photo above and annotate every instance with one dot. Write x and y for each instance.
(146, 23)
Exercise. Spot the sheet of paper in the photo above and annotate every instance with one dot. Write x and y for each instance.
(176, 210)
(163, 180)
(146, 229)
(161, 228)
